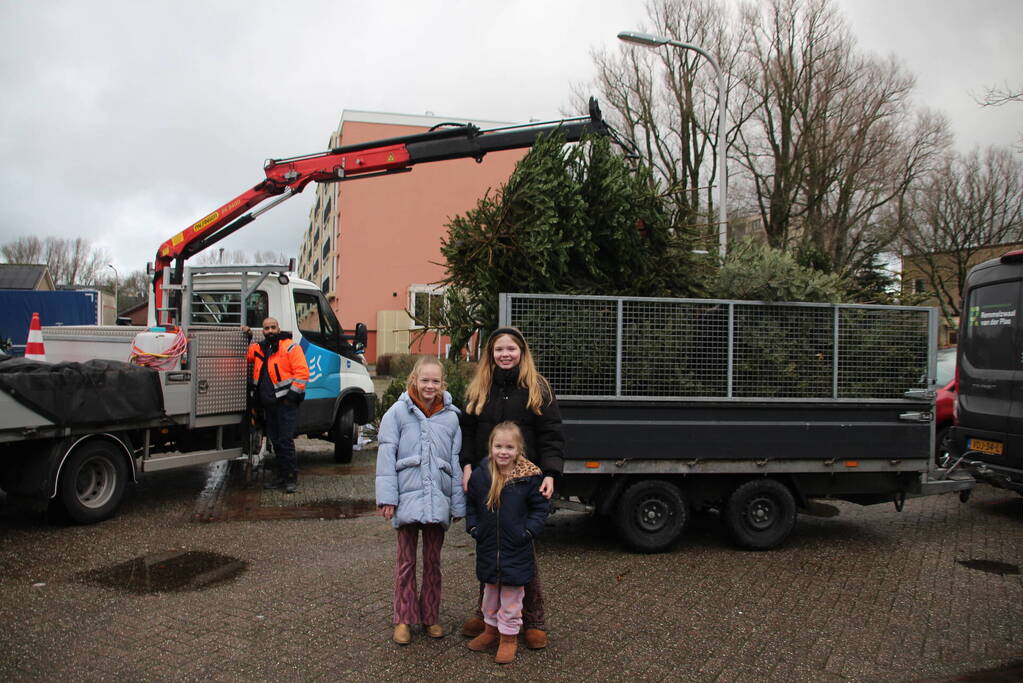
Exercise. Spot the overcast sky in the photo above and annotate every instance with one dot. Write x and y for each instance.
(126, 121)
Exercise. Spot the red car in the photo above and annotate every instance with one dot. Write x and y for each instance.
(944, 402)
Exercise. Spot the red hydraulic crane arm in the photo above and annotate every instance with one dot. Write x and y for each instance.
(288, 177)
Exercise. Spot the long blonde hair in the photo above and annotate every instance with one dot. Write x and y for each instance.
(529, 377)
(497, 477)
(410, 383)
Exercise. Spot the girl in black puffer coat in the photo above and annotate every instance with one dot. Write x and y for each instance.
(507, 387)
(504, 512)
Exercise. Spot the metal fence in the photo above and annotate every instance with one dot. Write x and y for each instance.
(632, 347)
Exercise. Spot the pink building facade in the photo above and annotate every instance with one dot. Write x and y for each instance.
(373, 244)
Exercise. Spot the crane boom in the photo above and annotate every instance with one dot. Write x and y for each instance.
(288, 177)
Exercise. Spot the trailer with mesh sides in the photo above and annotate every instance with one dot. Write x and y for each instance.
(753, 409)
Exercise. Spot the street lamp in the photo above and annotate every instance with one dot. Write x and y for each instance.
(657, 41)
(111, 267)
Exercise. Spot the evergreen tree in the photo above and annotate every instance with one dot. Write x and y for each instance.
(570, 220)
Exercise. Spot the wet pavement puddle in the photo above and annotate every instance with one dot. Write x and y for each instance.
(235, 494)
(991, 567)
(171, 571)
(327, 509)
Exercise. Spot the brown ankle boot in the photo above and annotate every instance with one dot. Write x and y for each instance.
(472, 627)
(485, 640)
(506, 650)
(536, 639)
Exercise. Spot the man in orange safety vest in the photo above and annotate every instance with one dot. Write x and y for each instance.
(279, 374)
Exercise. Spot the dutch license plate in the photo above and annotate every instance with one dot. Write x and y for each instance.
(990, 447)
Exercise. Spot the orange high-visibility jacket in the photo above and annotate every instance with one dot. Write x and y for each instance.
(287, 367)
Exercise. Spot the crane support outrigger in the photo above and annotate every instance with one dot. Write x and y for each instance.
(288, 177)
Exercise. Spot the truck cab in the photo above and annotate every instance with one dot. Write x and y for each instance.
(339, 394)
(989, 405)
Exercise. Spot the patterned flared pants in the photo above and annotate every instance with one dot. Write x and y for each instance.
(410, 606)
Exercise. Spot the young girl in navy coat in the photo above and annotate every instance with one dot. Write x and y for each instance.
(418, 488)
(504, 512)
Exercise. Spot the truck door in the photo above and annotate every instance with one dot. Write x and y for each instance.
(320, 337)
(990, 402)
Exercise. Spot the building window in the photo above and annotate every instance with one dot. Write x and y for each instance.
(919, 286)
(326, 249)
(425, 303)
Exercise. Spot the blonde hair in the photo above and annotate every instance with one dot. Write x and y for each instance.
(497, 477)
(414, 374)
(529, 378)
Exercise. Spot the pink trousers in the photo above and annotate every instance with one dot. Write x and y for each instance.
(423, 606)
(502, 607)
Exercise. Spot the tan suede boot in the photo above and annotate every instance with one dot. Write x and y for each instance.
(472, 627)
(485, 640)
(402, 634)
(506, 650)
(535, 638)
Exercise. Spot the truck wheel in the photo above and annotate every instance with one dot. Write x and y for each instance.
(760, 514)
(651, 515)
(344, 435)
(92, 482)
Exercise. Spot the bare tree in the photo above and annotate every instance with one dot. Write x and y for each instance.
(131, 289)
(997, 96)
(666, 101)
(215, 257)
(219, 256)
(826, 139)
(70, 262)
(269, 256)
(23, 250)
(971, 203)
(832, 143)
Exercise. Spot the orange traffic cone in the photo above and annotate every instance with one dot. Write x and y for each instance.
(34, 349)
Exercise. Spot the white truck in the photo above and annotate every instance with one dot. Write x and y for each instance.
(76, 432)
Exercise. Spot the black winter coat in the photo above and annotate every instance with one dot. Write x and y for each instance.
(545, 442)
(504, 536)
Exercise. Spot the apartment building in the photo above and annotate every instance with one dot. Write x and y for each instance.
(373, 244)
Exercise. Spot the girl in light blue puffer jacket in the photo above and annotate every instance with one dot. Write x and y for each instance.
(419, 488)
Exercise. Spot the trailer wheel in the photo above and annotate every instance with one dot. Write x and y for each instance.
(344, 435)
(92, 482)
(651, 515)
(760, 514)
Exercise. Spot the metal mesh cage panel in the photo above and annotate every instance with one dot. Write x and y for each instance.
(685, 348)
(573, 340)
(782, 351)
(674, 349)
(882, 352)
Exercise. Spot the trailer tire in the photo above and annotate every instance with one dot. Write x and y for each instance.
(93, 481)
(651, 515)
(760, 514)
(344, 435)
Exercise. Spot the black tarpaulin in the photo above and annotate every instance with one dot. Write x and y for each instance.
(74, 394)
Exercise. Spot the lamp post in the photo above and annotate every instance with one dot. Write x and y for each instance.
(111, 267)
(657, 41)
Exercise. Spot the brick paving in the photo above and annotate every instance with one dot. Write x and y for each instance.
(869, 595)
